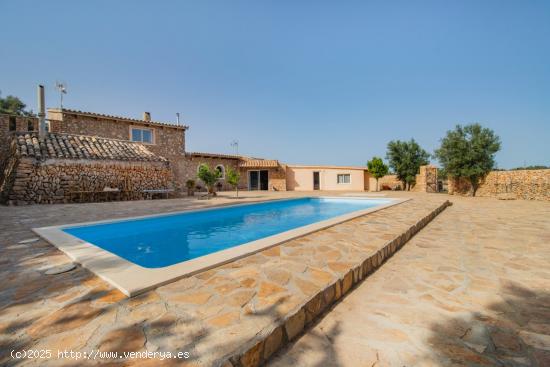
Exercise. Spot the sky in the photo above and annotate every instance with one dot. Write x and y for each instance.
(305, 82)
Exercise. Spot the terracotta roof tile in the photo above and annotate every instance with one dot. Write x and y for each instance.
(260, 163)
(71, 146)
(216, 155)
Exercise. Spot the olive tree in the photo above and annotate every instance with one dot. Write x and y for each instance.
(405, 159)
(209, 176)
(232, 177)
(377, 168)
(468, 152)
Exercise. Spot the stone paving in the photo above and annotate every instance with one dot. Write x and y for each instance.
(244, 310)
(471, 289)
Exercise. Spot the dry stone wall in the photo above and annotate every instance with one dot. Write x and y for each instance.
(190, 165)
(389, 182)
(426, 179)
(59, 180)
(519, 184)
(277, 178)
(22, 123)
(169, 141)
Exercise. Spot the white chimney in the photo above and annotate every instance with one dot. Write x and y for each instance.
(147, 116)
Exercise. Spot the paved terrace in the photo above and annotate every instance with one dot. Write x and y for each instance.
(471, 289)
(244, 310)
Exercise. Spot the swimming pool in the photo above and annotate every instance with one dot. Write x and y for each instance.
(166, 240)
(140, 253)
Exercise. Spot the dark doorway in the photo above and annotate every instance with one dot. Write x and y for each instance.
(258, 180)
(316, 181)
(264, 180)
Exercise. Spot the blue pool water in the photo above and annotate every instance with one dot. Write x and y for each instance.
(170, 239)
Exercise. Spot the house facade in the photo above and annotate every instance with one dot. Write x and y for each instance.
(327, 178)
(85, 151)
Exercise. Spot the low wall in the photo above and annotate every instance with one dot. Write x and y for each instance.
(57, 180)
(521, 184)
(426, 179)
(389, 182)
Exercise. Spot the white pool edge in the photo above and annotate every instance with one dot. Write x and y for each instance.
(132, 279)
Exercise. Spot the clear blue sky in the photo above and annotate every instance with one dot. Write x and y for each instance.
(304, 82)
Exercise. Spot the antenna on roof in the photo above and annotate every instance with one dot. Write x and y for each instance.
(62, 89)
(235, 145)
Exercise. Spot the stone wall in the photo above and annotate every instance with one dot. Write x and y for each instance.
(519, 184)
(426, 179)
(389, 182)
(8, 165)
(22, 123)
(169, 141)
(57, 180)
(190, 165)
(277, 178)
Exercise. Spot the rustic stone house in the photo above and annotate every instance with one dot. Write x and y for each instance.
(38, 170)
(66, 167)
(164, 139)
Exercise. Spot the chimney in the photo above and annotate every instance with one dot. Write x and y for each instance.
(147, 116)
(41, 113)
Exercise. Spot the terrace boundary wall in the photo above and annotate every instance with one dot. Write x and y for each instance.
(516, 184)
(268, 342)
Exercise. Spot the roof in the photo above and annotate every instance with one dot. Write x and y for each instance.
(71, 146)
(216, 155)
(93, 114)
(261, 163)
(364, 168)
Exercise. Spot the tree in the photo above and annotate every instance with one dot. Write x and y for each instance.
(209, 177)
(405, 158)
(13, 106)
(232, 177)
(468, 152)
(377, 168)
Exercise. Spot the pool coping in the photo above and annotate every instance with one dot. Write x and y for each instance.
(132, 279)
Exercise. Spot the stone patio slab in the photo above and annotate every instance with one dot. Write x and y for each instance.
(239, 313)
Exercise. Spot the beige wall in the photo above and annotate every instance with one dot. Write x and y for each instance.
(301, 178)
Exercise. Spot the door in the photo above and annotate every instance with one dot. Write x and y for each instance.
(253, 180)
(316, 181)
(264, 180)
(258, 180)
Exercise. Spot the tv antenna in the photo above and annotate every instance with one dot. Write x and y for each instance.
(235, 145)
(62, 89)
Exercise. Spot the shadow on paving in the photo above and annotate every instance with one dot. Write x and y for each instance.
(515, 333)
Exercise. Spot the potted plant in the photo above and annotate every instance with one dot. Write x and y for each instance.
(209, 177)
(190, 184)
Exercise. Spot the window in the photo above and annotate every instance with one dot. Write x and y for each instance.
(141, 135)
(30, 125)
(343, 178)
(13, 123)
(220, 168)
